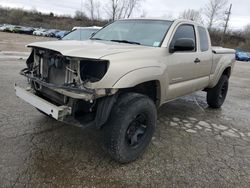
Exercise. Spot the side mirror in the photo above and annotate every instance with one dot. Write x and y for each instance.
(182, 45)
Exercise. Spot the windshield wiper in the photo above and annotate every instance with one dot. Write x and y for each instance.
(126, 41)
(96, 39)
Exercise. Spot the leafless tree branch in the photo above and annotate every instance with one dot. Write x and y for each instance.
(191, 14)
(214, 11)
(93, 9)
(122, 9)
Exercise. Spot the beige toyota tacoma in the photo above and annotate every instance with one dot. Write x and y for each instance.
(116, 80)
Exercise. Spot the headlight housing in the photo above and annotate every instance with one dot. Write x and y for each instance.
(93, 70)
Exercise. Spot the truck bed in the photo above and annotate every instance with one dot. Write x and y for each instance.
(221, 50)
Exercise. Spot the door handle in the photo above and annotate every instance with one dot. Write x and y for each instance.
(197, 60)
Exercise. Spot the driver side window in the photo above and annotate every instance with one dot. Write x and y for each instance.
(184, 32)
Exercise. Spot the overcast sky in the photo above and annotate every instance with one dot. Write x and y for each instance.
(153, 8)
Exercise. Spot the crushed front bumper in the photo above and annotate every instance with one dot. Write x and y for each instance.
(84, 93)
(67, 90)
(57, 112)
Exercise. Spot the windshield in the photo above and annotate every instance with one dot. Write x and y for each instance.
(80, 34)
(138, 32)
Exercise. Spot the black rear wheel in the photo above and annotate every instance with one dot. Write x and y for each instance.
(217, 95)
(130, 127)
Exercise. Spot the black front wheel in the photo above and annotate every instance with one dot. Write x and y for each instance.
(130, 127)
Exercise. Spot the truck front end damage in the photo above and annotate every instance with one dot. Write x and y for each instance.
(61, 87)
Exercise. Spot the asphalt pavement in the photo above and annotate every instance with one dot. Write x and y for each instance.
(193, 146)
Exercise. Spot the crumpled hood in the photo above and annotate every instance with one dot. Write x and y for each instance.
(87, 49)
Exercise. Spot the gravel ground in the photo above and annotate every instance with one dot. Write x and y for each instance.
(193, 146)
(17, 42)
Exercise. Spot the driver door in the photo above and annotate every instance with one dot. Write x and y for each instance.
(181, 65)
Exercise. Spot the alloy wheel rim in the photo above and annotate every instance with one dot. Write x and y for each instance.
(136, 130)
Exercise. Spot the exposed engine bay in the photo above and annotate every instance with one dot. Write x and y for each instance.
(65, 74)
(63, 81)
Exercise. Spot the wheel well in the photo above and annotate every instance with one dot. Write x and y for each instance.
(150, 89)
(227, 72)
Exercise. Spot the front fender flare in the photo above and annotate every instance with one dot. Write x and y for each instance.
(139, 76)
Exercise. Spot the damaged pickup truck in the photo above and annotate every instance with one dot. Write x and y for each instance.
(116, 80)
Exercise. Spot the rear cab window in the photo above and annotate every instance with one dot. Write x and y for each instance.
(204, 43)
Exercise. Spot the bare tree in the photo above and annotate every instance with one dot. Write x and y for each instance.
(98, 12)
(191, 14)
(168, 16)
(131, 5)
(90, 8)
(247, 31)
(144, 14)
(114, 8)
(214, 11)
(79, 15)
(122, 9)
(93, 9)
(246, 35)
(228, 14)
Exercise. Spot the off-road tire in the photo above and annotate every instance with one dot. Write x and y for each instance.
(118, 141)
(217, 95)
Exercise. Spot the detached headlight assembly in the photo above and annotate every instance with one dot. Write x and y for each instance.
(93, 70)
